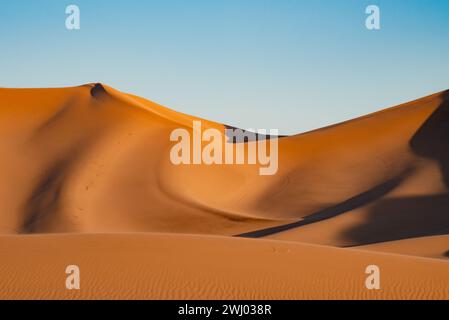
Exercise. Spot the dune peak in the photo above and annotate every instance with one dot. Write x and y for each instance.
(98, 90)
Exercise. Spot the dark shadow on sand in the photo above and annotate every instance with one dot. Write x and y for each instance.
(432, 139)
(402, 218)
(45, 198)
(348, 205)
(417, 216)
(98, 91)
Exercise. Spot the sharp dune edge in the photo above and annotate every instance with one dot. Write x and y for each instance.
(86, 179)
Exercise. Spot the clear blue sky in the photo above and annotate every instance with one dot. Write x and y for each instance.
(293, 65)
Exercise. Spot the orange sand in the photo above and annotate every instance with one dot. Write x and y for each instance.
(81, 166)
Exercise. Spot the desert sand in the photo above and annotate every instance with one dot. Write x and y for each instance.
(86, 179)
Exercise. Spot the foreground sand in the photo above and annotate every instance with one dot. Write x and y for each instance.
(80, 166)
(432, 247)
(164, 266)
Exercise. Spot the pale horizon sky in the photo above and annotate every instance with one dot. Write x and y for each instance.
(294, 65)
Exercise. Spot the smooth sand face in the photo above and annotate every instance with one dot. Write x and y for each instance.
(94, 162)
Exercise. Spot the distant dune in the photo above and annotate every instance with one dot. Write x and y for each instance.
(86, 178)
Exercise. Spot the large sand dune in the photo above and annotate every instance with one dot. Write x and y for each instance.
(80, 166)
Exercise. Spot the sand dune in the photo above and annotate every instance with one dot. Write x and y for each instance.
(92, 160)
